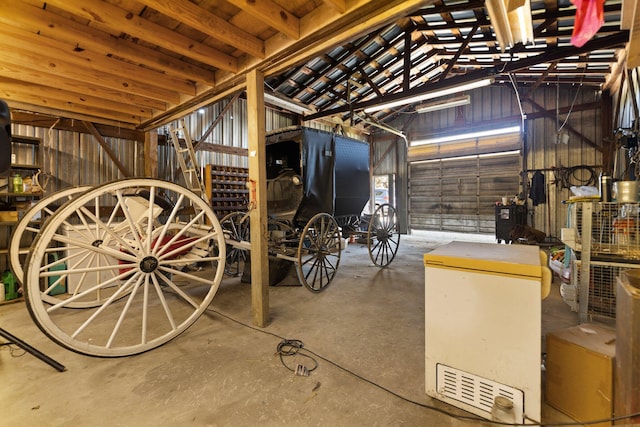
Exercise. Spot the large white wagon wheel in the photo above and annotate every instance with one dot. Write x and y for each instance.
(383, 235)
(149, 243)
(29, 226)
(319, 252)
(236, 228)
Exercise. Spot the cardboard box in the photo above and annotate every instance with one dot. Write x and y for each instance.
(579, 371)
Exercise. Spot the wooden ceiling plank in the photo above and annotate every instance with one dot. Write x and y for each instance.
(65, 69)
(20, 73)
(93, 61)
(34, 98)
(339, 5)
(196, 17)
(272, 14)
(29, 88)
(47, 24)
(120, 20)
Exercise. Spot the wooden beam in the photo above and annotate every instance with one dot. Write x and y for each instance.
(66, 124)
(455, 58)
(223, 149)
(217, 120)
(272, 14)
(93, 131)
(258, 199)
(571, 129)
(631, 20)
(48, 111)
(339, 5)
(151, 154)
(199, 18)
(104, 14)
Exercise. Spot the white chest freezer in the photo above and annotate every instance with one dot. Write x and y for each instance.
(483, 326)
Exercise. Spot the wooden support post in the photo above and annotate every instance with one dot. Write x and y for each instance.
(258, 199)
(151, 154)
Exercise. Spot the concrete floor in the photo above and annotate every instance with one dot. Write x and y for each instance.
(220, 373)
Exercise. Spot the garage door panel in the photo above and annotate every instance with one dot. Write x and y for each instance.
(460, 195)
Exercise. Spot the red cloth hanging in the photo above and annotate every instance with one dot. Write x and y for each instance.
(589, 19)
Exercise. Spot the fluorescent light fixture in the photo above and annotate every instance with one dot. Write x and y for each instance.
(443, 104)
(286, 103)
(511, 21)
(430, 95)
(465, 136)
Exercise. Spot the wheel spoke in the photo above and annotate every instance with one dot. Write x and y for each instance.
(125, 310)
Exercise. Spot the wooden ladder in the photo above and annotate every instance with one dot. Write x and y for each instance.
(187, 156)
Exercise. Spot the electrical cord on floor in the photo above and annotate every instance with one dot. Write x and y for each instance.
(287, 347)
(14, 350)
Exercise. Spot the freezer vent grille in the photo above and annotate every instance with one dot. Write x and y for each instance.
(476, 391)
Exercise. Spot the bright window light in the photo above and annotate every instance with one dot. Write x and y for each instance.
(472, 156)
(465, 136)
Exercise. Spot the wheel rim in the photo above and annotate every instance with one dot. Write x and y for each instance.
(27, 228)
(236, 227)
(383, 236)
(150, 290)
(319, 252)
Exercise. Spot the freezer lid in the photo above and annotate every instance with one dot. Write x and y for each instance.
(519, 260)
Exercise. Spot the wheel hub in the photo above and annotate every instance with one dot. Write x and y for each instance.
(96, 243)
(149, 264)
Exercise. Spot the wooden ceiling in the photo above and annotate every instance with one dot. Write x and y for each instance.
(138, 64)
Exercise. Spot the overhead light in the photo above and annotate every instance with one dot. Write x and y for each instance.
(286, 103)
(431, 95)
(443, 104)
(511, 21)
(466, 136)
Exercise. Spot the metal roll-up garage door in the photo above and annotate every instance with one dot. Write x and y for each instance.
(452, 190)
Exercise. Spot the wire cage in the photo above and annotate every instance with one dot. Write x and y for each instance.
(608, 241)
(602, 286)
(615, 229)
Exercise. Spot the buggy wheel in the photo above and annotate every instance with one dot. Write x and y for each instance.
(236, 227)
(319, 252)
(29, 226)
(138, 243)
(383, 235)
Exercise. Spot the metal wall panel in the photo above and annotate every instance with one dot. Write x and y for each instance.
(542, 151)
(231, 131)
(72, 159)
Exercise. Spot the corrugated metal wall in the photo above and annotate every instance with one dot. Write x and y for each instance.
(541, 147)
(72, 159)
(231, 131)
